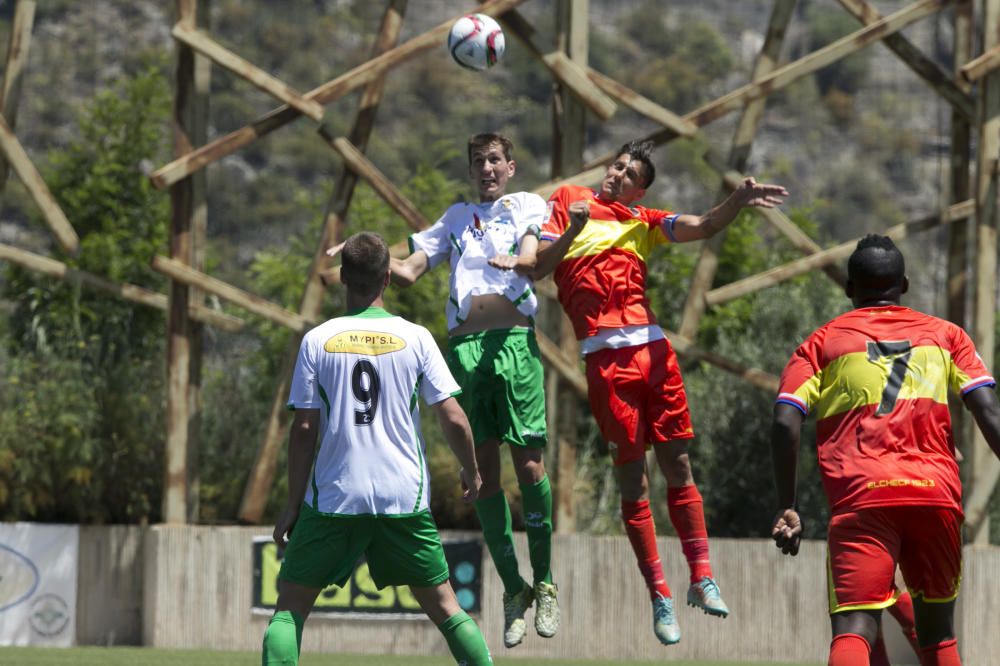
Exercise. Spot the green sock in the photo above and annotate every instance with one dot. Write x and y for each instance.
(537, 498)
(494, 516)
(465, 640)
(283, 639)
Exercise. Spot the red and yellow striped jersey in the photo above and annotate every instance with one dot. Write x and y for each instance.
(602, 278)
(877, 379)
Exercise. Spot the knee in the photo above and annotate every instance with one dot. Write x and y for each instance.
(529, 472)
(677, 471)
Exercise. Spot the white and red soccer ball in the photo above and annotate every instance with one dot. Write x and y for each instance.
(476, 41)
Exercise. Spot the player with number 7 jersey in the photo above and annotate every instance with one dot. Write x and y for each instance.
(877, 379)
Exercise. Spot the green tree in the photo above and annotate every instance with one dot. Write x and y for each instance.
(81, 419)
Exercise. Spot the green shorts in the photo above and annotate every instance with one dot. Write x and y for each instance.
(400, 550)
(503, 386)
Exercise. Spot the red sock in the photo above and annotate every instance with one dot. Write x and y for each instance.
(849, 650)
(879, 656)
(944, 653)
(688, 517)
(902, 611)
(642, 534)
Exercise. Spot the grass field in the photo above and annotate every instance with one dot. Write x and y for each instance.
(122, 656)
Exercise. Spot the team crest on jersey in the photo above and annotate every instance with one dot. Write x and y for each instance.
(372, 343)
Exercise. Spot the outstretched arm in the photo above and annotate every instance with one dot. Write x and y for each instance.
(301, 449)
(457, 432)
(785, 435)
(985, 408)
(404, 272)
(749, 193)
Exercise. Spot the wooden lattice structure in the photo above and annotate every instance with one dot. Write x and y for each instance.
(971, 90)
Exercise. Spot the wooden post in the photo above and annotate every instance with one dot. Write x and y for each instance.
(982, 464)
(262, 474)
(957, 291)
(570, 134)
(17, 56)
(708, 260)
(180, 330)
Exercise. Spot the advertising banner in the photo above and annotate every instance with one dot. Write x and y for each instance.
(359, 597)
(38, 569)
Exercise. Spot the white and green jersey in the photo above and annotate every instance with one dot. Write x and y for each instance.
(469, 235)
(364, 371)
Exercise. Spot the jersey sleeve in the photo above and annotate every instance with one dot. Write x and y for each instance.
(661, 226)
(303, 393)
(967, 372)
(534, 211)
(800, 380)
(556, 218)
(436, 240)
(438, 383)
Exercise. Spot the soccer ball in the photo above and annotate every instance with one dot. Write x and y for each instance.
(476, 41)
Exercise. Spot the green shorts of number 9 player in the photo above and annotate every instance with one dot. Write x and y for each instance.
(400, 549)
(500, 372)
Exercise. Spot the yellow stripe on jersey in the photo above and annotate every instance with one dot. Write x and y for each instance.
(629, 235)
(855, 380)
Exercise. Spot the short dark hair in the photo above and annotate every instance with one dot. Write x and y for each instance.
(486, 138)
(364, 263)
(641, 151)
(876, 263)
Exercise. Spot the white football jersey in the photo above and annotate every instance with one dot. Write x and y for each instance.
(469, 235)
(364, 371)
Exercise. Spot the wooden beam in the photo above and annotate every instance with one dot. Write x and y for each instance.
(565, 365)
(792, 269)
(759, 378)
(129, 292)
(642, 105)
(979, 67)
(574, 77)
(982, 463)
(739, 154)
(362, 166)
(571, 74)
(261, 477)
(939, 80)
(40, 194)
(205, 45)
(17, 56)
(181, 272)
(344, 84)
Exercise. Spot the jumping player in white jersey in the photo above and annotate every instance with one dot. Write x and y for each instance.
(490, 246)
(355, 389)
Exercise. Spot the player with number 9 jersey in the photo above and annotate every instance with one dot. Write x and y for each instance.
(371, 456)
(877, 380)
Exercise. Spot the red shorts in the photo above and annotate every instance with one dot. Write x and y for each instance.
(864, 547)
(637, 396)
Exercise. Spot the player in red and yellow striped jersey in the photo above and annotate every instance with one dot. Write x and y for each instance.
(877, 379)
(597, 244)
